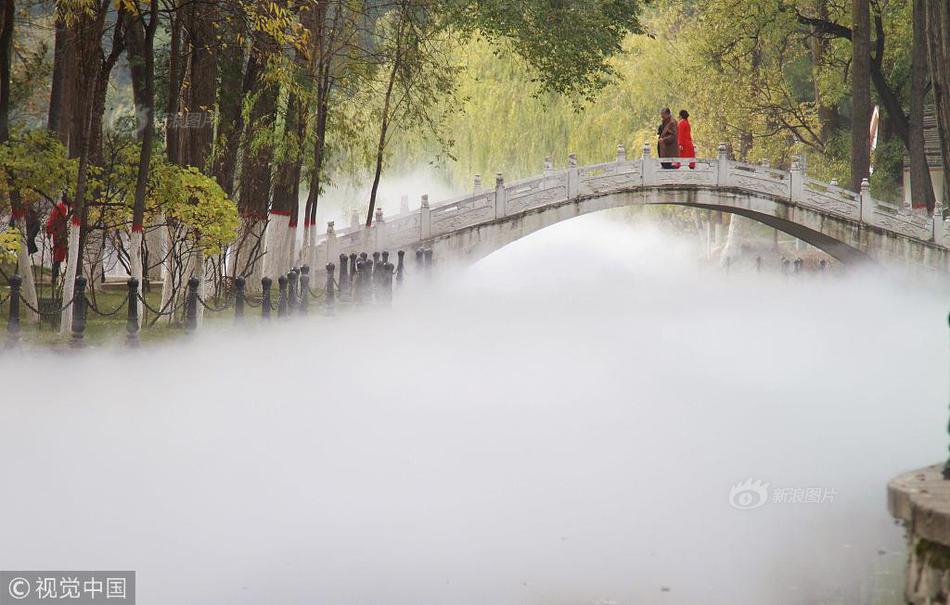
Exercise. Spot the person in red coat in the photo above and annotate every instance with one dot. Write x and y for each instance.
(56, 227)
(685, 136)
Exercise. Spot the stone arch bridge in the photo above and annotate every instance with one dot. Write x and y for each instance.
(851, 227)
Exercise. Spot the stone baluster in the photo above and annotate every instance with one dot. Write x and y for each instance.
(331, 246)
(477, 185)
(796, 181)
(572, 184)
(501, 198)
(867, 204)
(647, 167)
(425, 219)
(379, 229)
(548, 166)
(621, 153)
(722, 165)
(939, 226)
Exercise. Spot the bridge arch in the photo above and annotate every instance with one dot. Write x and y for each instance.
(851, 227)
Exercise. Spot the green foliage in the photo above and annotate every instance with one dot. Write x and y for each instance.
(34, 166)
(568, 43)
(197, 200)
(888, 171)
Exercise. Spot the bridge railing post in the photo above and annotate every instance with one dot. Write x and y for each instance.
(796, 181)
(379, 228)
(477, 184)
(425, 219)
(647, 167)
(722, 165)
(572, 176)
(940, 230)
(332, 246)
(501, 198)
(867, 203)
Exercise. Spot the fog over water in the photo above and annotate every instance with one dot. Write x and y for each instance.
(561, 424)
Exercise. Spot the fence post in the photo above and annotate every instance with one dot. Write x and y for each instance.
(428, 255)
(387, 282)
(420, 257)
(304, 304)
(352, 266)
(292, 290)
(191, 306)
(330, 291)
(239, 298)
(477, 184)
(79, 311)
(282, 296)
(376, 265)
(13, 321)
(400, 266)
(265, 297)
(132, 322)
(344, 275)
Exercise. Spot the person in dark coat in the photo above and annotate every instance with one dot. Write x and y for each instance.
(669, 143)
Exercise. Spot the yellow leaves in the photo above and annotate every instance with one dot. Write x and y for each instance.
(9, 244)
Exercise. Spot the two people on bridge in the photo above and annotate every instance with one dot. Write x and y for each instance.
(675, 139)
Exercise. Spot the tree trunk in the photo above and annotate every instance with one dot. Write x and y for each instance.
(921, 189)
(861, 93)
(381, 145)
(142, 60)
(938, 44)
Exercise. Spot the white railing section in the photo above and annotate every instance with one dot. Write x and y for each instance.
(483, 206)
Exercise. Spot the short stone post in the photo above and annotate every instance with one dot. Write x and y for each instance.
(282, 296)
(384, 258)
(501, 197)
(79, 312)
(425, 219)
(798, 266)
(400, 266)
(621, 153)
(304, 304)
(420, 257)
(477, 185)
(265, 297)
(379, 231)
(344, 274)
(376, 263)
(722, 165)
(784, 266)
(647, 167)
(132, 320)
(428, 257)
(822, 265)
(359, 284)
(240, 297)
(548, 166)
(191, 306)
(386, 283)
(867, 204)
(13, 319)
(352, 266)
(938, 226)
(572, 184)
(292, 280)
(330, 289)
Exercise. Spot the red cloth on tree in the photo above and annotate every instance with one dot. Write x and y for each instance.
(56, 228)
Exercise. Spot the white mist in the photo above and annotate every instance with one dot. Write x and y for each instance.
(561, 423)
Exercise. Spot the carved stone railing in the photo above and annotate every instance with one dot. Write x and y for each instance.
(412, 227)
